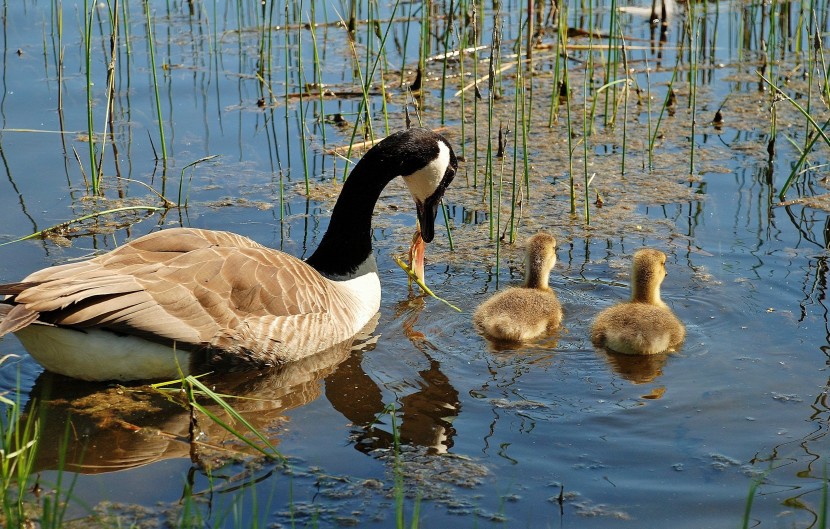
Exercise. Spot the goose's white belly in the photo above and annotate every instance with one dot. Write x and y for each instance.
(95, 354)
(98, 354)
(364, 292)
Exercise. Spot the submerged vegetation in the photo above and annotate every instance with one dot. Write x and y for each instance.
(567, 115)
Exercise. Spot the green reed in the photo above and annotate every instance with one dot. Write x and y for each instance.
(184, 196)
(587, 120)
(476, 93)
(287, 71)
(406, 42)
(525, 124)
(301, 120)
(602, 90)
(502, 145)
(18, 446)
(54, 506)
(57, 9)
(113, 20)
(384, 68)
(239, 427)
(447, 224)
(318, 73)
(61, 227)
(819, 133)
(362, 112)
(368, 48)
(424, 47)
(611, 67)
(820, 51)
(694, 47)
(264, 51)
(556, 90)
(447, 32)
(93, 168)
(667, 102)
(518, 124)
(461, 38)
(351, 26)
(495, 49)
(626, 92)
(811, 58)
(399, 486)
(363, 106)
(151, 51)
(569, 121)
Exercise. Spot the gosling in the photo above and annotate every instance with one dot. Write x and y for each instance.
(645, 325)
(520, 314)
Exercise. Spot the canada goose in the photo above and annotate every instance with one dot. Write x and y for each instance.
(645, 325)
(220, 298)
(523, 313)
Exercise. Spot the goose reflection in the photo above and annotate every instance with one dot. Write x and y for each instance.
(426, 415)
(117, 427)
(108, 428)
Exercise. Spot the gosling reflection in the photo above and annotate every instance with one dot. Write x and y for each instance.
(638, 369)
(426, 415)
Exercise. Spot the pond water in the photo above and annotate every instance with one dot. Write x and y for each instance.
(552, 434)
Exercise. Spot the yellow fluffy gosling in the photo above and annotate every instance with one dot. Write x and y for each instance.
(645, 325)
(523, 313)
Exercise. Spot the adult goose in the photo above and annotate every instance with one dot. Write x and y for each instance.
(645, 325)
(524, 313)
(180, 298)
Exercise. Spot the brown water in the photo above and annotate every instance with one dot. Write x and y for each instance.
(487, 437)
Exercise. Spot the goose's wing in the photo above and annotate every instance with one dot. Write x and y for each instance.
(196, 287)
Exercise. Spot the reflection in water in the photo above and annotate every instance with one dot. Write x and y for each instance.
(114, 427)
(117, 427)
(426, 414)
(805, 453)
(638, 369)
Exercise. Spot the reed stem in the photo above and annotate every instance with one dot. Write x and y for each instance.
(151, 46)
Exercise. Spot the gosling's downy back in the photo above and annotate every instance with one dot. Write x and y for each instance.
(524, 313)
(644, 325)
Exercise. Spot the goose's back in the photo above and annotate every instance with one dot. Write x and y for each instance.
(201, 289)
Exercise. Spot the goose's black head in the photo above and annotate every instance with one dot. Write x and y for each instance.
(427, 164)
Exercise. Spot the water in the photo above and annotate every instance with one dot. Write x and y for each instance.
(487, 437)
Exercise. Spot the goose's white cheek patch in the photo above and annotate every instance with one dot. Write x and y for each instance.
(423, 182)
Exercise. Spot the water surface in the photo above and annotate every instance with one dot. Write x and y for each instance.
(551, 434)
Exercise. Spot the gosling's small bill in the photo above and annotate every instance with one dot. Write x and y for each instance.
(644, 325)
(524, 313)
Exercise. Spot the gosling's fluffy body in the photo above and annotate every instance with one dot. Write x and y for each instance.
(645, 325)
(520, 314)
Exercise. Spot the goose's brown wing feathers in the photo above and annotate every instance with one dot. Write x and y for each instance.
(199, 288)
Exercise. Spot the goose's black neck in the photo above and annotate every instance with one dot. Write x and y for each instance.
(347, 242)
